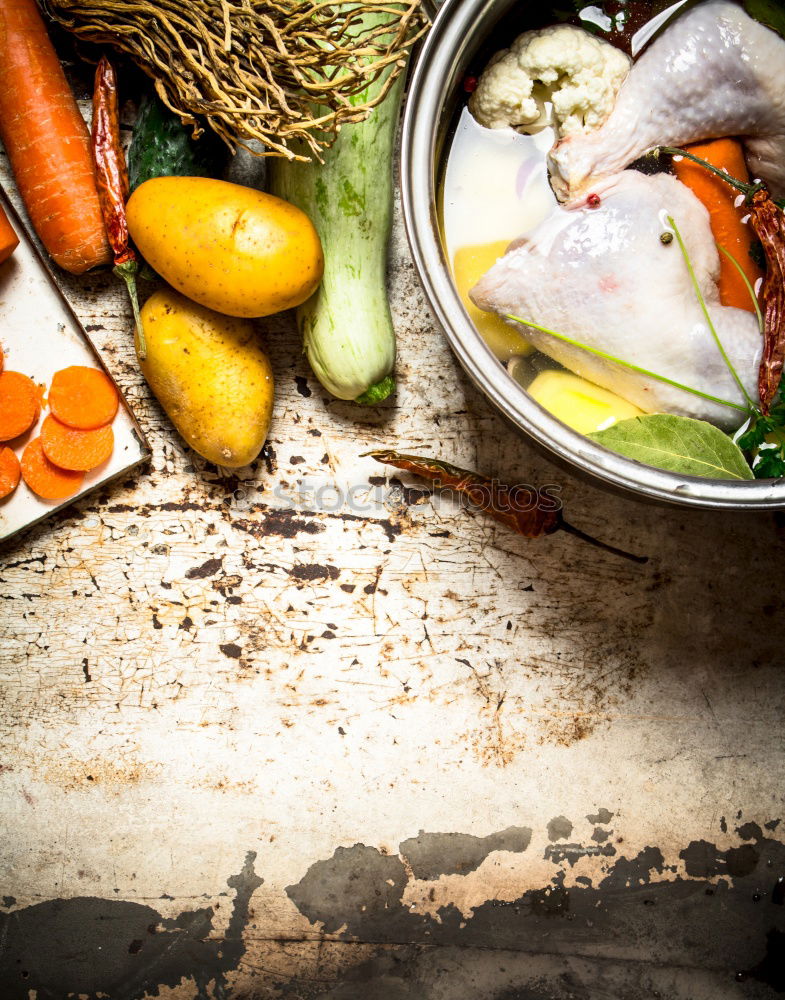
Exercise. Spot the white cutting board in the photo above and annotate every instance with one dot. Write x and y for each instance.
(40, 334)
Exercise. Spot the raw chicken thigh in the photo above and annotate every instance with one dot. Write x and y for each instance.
(714, 72)
(602, 276)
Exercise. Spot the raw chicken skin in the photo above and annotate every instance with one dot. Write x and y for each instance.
(714, 72)
(602, 276)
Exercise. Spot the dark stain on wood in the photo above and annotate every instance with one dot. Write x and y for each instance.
(209, 568)
(641, 906)
(279, 523)
(231, 649)
(87, 946)
(310, 572)
(433, 854)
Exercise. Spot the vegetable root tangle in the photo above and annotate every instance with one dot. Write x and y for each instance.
(275, 71)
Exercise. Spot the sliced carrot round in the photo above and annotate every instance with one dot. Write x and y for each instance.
(83, 397)
(45, 478)
(10, 472)
(78, 451)
(19, 404)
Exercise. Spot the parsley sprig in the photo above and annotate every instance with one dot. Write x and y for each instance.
(764, 438)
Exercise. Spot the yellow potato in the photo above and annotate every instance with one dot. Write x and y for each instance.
(228, 247)
(469, 265)
(210, 374)
(580, 404)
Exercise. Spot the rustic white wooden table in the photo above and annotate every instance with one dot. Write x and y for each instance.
(258, 739)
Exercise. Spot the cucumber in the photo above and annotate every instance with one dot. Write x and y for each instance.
(346, 325)
(161, 146)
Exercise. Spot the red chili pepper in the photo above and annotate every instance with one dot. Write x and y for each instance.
(768, 223)
(111, 176)
(470, 84)
(521, 508)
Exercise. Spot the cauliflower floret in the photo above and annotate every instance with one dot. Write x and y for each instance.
(578, 73)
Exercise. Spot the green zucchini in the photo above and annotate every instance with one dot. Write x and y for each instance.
(346, 325)
(161, 146)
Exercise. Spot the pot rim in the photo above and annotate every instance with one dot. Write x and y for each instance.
(457, 31)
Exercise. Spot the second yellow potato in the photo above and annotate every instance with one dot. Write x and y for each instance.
(231, 248)
(211, 375)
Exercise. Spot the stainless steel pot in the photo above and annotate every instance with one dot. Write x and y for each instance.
(458, 32)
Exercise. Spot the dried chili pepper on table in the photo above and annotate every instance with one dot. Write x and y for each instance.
(111, 175)
(518, 507)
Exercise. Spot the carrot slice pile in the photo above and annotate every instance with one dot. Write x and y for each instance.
(83, 398)
(727, 218)
(10, 472)
(75, 438)
(76, 450)
(45, 478)
(19, 404)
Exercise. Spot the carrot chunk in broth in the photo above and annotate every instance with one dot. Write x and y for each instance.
(726, 216)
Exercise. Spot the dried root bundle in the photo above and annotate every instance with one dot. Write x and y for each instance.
(283, 73)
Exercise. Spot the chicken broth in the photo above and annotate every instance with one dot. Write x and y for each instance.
(495, 187)
(617, 276)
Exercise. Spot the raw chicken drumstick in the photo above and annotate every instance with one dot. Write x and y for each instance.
(714, 72)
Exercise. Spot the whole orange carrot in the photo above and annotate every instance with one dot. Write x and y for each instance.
(47, 142)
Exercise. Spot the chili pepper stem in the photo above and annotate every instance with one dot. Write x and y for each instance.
(572, 530)
(127, 271)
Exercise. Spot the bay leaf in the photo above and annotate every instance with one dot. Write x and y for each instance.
(768, 12)
(677, 444)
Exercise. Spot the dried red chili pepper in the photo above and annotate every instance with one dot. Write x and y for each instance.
(521, 508)
(111, 176)
(768, 223)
